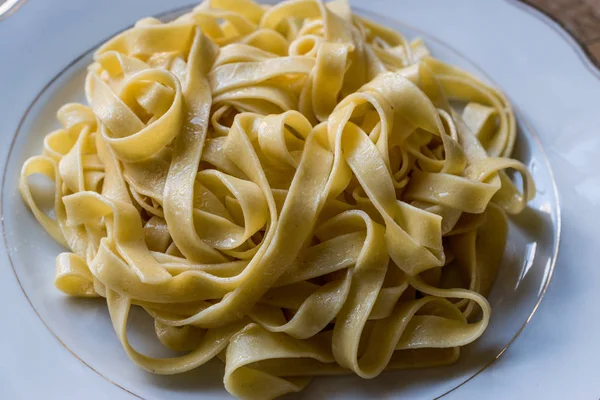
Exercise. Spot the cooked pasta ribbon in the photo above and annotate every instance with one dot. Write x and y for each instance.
(293, 189)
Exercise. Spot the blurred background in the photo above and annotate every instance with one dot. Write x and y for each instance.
(580, 17)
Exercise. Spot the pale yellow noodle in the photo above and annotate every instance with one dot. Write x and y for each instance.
(288, 188)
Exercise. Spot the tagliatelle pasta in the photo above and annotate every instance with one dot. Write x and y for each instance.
(293, 189)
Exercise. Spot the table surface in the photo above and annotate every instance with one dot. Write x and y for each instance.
(581, 18)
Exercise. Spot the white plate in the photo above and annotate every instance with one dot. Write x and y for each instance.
(511, 58)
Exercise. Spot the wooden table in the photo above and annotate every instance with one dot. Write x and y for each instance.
(581, 18)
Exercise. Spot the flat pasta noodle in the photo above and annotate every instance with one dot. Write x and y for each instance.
(290, 189)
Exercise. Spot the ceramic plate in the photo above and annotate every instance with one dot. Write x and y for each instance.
(539, 67)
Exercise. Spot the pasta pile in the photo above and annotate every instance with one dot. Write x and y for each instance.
(294, 189)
